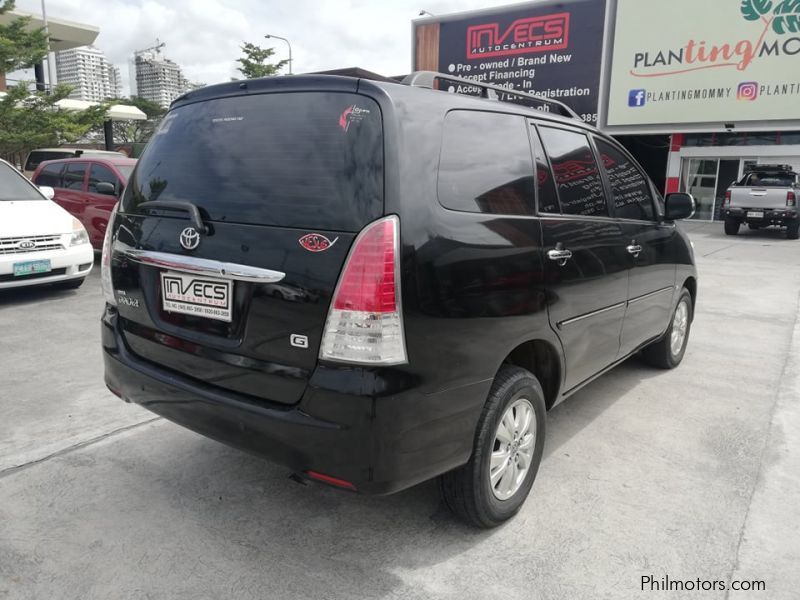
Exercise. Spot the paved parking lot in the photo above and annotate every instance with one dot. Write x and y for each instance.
(693, 473)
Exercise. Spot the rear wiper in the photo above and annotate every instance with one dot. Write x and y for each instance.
(194, 212)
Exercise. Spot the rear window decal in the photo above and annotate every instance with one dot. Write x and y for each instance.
(352, 114)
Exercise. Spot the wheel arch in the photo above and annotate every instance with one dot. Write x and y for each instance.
(691, 285)
(542, 359)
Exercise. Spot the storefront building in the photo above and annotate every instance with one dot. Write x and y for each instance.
(705, 164)
(722, 78)
(698, 91)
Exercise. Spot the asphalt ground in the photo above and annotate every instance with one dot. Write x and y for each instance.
(691, 474)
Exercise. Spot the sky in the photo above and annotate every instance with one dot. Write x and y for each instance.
(204, 36)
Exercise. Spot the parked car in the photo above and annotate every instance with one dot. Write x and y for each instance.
(87, 187)
(36, 157)
(766, 195)
(40, 242)
(469, 263)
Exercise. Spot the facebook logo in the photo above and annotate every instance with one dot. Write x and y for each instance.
(637, 98)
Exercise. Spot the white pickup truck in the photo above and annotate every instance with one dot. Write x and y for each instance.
(766, 195)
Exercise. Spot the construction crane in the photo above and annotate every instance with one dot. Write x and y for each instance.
(159, 45)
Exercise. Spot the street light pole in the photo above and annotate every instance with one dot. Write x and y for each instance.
(50, 76)
(277, 37)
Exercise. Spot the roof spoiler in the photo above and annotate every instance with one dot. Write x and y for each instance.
(430, 79)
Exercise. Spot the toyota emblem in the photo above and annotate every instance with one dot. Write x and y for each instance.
(190, 238)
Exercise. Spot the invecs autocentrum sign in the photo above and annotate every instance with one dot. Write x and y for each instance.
(709, 61)
(523, 36)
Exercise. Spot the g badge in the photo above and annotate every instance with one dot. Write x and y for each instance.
(298, 341)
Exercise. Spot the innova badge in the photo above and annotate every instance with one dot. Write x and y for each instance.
(190, 238)
(316, 242)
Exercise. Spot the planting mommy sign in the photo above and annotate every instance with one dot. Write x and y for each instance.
(713, 62)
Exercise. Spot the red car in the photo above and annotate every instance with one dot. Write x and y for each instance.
(87, 187)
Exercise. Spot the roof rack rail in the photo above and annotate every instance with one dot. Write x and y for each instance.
(427, 79)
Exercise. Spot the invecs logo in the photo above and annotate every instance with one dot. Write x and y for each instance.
(747, 91)
(523, 36)
(780, 16)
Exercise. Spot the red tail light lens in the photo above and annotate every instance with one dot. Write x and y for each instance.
(791, 199)
(727, 198)
(368, 280)
(365, 323)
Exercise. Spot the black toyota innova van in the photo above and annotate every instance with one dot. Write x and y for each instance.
(376, 283)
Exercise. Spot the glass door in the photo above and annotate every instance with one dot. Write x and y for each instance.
(727, 175)
(746, 164)
(699, 178)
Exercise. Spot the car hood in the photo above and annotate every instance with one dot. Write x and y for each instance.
(33, 217)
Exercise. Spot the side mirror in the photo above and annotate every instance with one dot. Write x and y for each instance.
(679, 206)
(104, 187)
(47, 191)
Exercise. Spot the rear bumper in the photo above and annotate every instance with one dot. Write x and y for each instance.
(379, 444)
(771, 216)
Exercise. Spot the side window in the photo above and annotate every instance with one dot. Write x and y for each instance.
(485, 164)
(100, 173)
(50, 175)
(73, 176)
(632, 197)
(580, 188)
(545, 182)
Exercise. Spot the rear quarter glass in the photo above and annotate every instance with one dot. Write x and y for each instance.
(307, 160)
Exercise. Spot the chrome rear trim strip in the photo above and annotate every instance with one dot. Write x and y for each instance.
(204, 266)
(650, 295)
(593, 314)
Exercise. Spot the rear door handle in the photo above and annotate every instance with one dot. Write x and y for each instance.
(635, 250)
(560, 256)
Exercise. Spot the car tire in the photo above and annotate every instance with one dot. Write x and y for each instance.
(667, 352)
(731, 227)
(482, 492)
(793, 230)
(72, 284)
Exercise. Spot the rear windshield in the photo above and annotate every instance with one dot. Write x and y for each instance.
(306, 160)
(769, 180)
(39, 156)
(13, 186)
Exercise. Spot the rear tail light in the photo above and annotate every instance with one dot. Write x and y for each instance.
(365, 323)
(791, 199)
(727, 198)
(105, 261)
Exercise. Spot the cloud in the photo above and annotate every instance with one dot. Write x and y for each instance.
(203, 36)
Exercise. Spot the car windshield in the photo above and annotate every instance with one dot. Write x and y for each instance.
(769, 179)
(39, 156)
(13, 186)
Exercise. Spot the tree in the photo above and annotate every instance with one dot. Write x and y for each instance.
(131, 132)
(31, 120)
(20, 48)
(254, 62)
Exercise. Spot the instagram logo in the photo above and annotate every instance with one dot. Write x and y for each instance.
(747, 91)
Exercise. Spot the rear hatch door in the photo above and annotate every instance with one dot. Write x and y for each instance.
(283, 182)
(763, 190)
